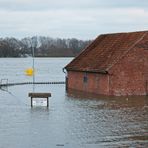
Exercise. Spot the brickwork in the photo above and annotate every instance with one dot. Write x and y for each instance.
(114, 64)
(96, 83)
(129, 76)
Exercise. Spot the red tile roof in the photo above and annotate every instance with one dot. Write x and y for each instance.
(105, 51)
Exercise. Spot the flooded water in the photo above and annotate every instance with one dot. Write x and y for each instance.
(72, 120)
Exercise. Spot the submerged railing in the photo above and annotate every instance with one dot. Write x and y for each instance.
(25, 83)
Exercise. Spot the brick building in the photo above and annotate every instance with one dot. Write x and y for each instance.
(113, 64)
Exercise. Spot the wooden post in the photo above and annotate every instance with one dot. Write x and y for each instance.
(31, 102)
(47, 102)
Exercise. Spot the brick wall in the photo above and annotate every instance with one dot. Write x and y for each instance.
(92, 83)
(129, 76)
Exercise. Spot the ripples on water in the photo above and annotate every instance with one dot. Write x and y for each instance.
(73, 119)
(113, 121)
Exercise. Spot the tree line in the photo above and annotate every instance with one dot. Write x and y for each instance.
(42, 47)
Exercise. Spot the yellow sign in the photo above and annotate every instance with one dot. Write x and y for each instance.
(29, 72)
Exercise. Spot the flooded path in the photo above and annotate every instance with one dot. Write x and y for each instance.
(72, 120)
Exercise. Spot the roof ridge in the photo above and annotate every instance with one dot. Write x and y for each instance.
(130, 32)
(107, 69)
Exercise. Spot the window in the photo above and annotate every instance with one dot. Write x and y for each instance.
(85, 79)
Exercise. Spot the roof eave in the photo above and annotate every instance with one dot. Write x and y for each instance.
(88, 71)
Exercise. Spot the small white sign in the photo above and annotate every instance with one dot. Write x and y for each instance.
(39, 102)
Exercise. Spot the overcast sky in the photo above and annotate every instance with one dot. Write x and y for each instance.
(83, 19)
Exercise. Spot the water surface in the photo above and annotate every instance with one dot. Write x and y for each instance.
(72, 120)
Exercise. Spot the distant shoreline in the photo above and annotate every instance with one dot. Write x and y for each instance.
(41, 47)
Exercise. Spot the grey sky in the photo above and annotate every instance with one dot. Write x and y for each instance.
(83, 19)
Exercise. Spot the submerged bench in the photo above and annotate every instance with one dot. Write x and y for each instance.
(39, 95)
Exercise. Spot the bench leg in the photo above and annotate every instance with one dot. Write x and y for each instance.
(31, 102)
(47, 102)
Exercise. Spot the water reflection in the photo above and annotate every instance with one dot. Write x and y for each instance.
(109, 121)
(111, 102)
(73, 119)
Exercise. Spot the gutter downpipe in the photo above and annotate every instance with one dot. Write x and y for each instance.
(66, 78)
